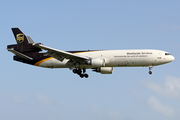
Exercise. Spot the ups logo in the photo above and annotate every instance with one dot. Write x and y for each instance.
(19, 38)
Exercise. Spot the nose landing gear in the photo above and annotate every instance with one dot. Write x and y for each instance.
(79, 72)
(150, 72)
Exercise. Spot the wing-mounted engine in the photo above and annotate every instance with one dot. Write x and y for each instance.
(104, 70)
(96, 62)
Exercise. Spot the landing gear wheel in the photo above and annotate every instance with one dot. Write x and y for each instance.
(86, 75)
(74, 71)
(79, 71)
(150, 67)
(81, 75)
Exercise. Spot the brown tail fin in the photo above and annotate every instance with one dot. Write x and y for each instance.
(19, 36)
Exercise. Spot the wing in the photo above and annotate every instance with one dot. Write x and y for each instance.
(61, 55)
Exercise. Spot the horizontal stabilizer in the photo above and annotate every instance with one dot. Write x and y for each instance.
(20, 54)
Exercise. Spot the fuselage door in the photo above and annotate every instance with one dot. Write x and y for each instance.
(158, 59)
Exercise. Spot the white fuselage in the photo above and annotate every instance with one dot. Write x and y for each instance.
(118, 58)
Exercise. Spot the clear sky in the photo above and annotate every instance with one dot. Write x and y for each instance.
(33, 93)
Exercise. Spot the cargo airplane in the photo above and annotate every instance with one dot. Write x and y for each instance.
(101, 61)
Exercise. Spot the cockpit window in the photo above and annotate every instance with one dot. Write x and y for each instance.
(167, 54)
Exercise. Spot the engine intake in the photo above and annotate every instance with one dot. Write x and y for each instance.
(104, 70)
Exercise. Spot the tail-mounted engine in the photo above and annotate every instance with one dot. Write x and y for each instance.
(24, 43)
(104, 70)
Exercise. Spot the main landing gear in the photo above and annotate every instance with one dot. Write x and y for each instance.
(79, 72)
(150, 72)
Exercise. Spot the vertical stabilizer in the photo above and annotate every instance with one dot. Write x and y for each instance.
(19, 36)
(24, 43)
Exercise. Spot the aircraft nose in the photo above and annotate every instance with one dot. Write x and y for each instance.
(171, 58)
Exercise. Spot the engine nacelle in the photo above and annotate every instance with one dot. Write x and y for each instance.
(96, 62)
(104, 70)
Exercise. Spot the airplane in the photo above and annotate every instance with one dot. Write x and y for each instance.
(101, 61)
